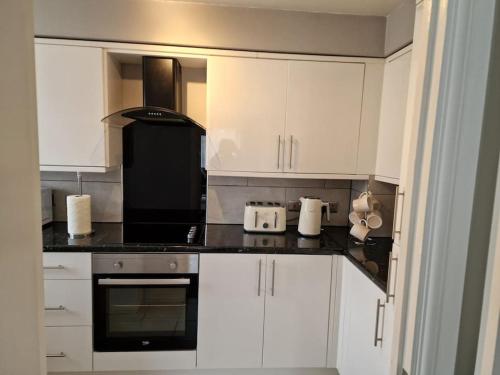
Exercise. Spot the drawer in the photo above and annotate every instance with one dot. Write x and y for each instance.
(69, 349)
(68, 302)
(67, 266)
(145, 361)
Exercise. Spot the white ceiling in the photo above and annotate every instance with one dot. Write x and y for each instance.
(361, 7)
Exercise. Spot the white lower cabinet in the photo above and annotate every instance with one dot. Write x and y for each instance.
(69, 349)
(68, 311)
(231, 310)
(68, 302)
(297, 310)
(263, 310)
(365, 325)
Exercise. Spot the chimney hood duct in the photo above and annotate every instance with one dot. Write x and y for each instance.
(162, 92)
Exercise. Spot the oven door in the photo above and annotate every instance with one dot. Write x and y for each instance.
(134, 312)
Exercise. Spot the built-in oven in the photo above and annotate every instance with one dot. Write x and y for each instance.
(145, 301)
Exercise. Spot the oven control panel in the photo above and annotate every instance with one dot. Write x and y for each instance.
(144, 263)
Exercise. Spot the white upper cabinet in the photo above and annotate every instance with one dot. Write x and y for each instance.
(297, 311)
(392, 116)
(71, 104)
(323, 116)
(283, 118)
(246, 114)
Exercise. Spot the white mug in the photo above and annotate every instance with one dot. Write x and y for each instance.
(363, 203)
(374, 220)
(360, 231)
(355, 217)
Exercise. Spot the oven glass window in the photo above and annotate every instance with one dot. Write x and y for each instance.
(150, 311)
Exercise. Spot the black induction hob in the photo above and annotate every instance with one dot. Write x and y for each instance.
(164, 233)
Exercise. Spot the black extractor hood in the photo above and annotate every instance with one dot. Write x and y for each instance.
(162, 93)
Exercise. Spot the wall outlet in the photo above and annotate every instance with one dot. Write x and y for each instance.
(294, 206)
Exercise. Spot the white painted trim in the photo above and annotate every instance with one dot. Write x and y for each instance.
(398, 54)
(458, 103)
(388, 180)
(145, 361)
(201, 52)
(84, 169)
(324, 176)
(489, 330)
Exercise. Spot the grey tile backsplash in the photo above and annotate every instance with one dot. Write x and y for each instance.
(104, 188)
(226, 196)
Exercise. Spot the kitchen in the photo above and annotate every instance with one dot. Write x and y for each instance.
(219, 198)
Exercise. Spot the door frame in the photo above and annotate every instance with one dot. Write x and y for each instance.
(444, 198)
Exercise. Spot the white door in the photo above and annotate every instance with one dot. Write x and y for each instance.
(231, 310)
(393, 115)
(246, 114)
(361, 298)
(323, 116)
(297, 310)
(70, 101)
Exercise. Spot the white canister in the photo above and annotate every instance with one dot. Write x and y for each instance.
(79, 218)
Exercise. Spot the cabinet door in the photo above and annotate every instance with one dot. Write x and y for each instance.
(231, 310)
(392, 116)
(246, 114)
(323, 116)
(297, 310)
(69, 83)
(68, 302)
(69, 349)
(360, 298)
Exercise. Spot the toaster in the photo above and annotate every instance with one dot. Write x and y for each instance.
(264, 217)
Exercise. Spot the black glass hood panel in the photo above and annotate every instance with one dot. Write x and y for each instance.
(149, 115)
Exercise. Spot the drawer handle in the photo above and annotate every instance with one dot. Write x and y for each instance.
(377, 338)
(260, 277)
(58, 267)
(56, 355)
(55, 308)
(396, 208)
(390, 294)
(272, 284)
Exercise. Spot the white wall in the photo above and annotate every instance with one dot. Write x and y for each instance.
(179, 23)
(20, 214)
(399, 26)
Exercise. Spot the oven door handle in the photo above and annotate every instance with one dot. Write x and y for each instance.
(144, 281)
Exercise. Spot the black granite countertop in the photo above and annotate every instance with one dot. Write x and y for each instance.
(371, 258)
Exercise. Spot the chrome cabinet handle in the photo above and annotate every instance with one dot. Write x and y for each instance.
(377, 319)
(58, 267)
(56, 355)
(279, 150)
(395, 219)
(275, 220)
(291, 152)
(256, 214)
(260, 276)
(272, 283)
(55, 308)
(389, 279)
(143, 281)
